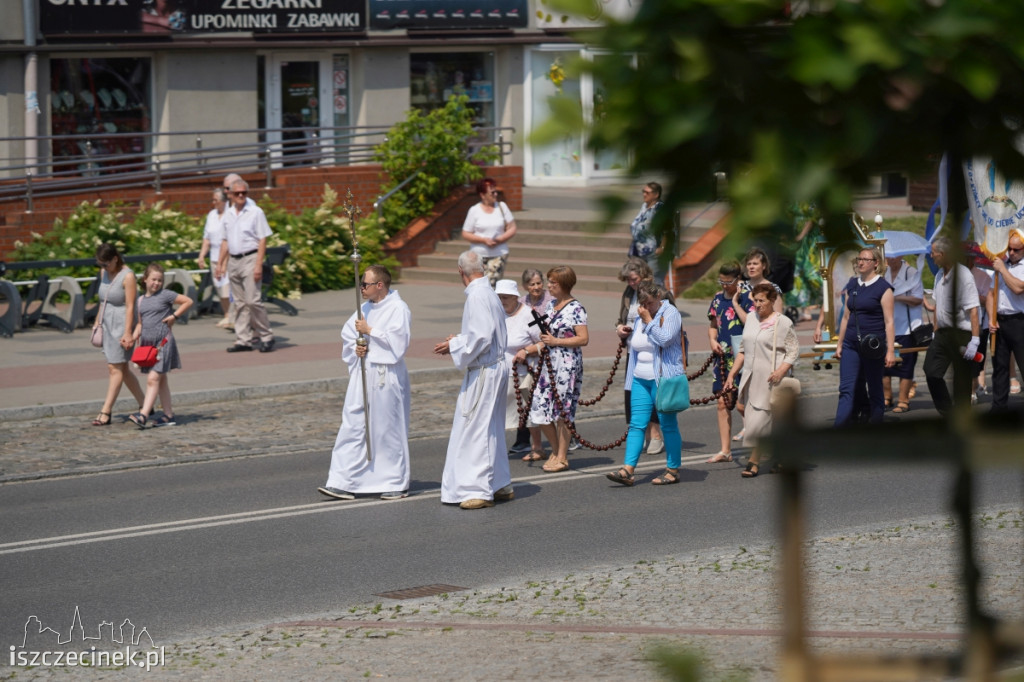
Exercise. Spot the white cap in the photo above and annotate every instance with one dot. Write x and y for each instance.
(506, 286)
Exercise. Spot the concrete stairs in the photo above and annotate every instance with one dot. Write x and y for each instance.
(543, 243)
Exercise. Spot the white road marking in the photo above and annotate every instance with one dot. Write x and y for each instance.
(284, 512)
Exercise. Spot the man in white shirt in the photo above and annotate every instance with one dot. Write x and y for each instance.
(476, 469)
(1008, 324)
(242, 253)
(957, 329)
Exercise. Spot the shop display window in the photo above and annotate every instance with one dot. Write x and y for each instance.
(434, 77)
(100, 96)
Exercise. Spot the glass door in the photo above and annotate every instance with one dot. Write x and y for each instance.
(298, 87)
(602, 162)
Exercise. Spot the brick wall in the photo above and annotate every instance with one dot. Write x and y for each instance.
(295, 189)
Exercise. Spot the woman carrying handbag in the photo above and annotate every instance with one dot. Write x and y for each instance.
(767, 353)
(655, 354)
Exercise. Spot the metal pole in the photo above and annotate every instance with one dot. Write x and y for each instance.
(156, 181)
(270, 177)
(200, 161)
(353, 213)
(28, 194)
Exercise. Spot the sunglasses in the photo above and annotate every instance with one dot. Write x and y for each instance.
(239, 194)
(363, 285)
(1010, 249)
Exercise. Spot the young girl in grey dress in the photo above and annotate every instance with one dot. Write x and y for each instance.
(156, 315)
(117, 296)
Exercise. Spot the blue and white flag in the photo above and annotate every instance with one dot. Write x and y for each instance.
(996, 205)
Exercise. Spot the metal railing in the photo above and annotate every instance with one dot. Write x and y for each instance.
(113, 161)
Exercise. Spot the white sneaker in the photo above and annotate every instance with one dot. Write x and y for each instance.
(656, 447)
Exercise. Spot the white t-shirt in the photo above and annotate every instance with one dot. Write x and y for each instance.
(907, 282)
(213, 231)
(520, 335)
(489, 225)
(1009, 302)
(644, 367)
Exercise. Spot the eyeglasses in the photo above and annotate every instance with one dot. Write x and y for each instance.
(102, 264)
(363, 285)
(866, 260)
(647, 191)
(726, 284)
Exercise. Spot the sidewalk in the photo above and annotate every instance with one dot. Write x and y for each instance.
(44, 372)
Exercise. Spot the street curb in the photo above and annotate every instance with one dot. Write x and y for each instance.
(336, 385)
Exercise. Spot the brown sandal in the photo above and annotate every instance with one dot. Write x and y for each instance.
(534, 457)
(668, 478)
(621, 476)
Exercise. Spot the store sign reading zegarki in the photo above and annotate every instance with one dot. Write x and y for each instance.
(170, 17)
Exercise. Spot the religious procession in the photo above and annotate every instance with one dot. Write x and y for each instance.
(521, 350)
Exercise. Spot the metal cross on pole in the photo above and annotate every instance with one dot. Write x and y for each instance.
(353, 212)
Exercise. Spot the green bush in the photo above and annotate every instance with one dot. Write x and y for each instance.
(434, 144)
(321, 246)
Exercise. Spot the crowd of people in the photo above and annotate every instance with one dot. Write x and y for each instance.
(520, 351)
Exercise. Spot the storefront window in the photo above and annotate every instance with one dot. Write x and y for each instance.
(102, 96)
(434, 77)
(547, 79)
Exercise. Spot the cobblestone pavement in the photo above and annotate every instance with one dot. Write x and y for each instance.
(307, 415)
(872, 590)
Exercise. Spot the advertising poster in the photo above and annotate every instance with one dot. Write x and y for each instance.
(170, 17)
(448, 14)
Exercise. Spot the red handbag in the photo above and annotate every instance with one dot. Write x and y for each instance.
(146, 356)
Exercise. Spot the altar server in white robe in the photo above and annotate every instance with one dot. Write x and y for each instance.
(476, 469)
(386, 324)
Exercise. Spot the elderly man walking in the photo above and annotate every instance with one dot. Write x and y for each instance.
(957, 330)
(386, 324)
(242, 252)
(476, 469)
(1009, 319)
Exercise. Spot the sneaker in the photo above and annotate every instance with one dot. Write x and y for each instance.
(520, 447)
(506, 493)
(575, 444)
(224, 323)
(394, 494)
(656, 446)
(336, 493)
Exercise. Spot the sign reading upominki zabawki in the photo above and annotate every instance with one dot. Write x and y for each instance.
(170, 17)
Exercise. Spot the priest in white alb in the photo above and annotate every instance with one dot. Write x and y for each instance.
(386, 326)
(476, 469)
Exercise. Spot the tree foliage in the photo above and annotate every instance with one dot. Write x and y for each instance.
(806, 108)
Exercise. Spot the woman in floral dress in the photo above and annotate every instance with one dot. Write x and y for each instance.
(567, 320)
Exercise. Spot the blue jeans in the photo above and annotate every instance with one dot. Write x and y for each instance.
(855, 373)
(642, 402)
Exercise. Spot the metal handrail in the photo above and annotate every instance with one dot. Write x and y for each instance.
(265, 151)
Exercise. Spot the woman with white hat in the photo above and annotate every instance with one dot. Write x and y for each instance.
(522, 343)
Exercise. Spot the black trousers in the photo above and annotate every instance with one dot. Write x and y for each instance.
(1009, 340)
(943, 352)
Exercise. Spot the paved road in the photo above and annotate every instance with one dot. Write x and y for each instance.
(220, 545)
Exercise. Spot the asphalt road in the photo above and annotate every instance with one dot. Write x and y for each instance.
(203, 548)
